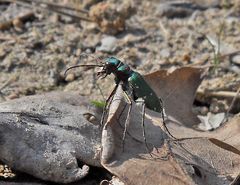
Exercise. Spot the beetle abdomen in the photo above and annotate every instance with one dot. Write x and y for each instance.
(142, 90)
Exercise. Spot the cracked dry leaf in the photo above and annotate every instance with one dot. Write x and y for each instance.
(177, 90)
(189, 161)
(227, 132)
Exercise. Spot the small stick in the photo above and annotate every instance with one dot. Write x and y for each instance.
(28, 4)
(74, 16)
(219, 94)
(233, 101)
(55, 5)
(6, 38)
(3, 86)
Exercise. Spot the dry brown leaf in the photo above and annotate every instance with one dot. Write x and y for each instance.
(188, 161)
(228, 132)
(177, 90)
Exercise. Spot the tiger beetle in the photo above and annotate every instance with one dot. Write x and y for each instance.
(135, 88)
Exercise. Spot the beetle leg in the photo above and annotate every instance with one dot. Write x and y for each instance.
(108, 103)
(118, 120)
(164, 123)
(129, 101)
(154, 156)
(143, 128)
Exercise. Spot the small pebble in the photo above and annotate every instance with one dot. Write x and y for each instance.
(92, 119)
(17, 23)
(6, 172)
(173, 10)
(218, 106)
(186, 57)
(13, 95)
(68, 50)
(78, 52)
(165, 53)
(234, 69)
(70, 77)
(1, 168)
(54, 18)
(108, 44)
(236, 59)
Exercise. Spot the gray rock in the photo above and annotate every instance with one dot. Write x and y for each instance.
(234, 69)
(165, 53)
(47, 135)
(223, 47)
(108, 44)
(180, 9)
(236, 59)
(170, 10)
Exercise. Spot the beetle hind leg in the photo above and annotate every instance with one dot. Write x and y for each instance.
(164, 123)
(143, 129)
(149, 150)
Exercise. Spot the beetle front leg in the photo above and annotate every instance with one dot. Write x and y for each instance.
(108, 102)
(129, 101)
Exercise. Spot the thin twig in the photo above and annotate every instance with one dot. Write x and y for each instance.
(219, 44)
(7, 83)
(220, 94)
(29, 3)
(233, 101)
(55, 5)
(6, 38)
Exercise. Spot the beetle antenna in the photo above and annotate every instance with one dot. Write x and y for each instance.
(76, 66)
(97, 59)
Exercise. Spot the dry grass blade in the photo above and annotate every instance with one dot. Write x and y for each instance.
(55, 5)
(60, 9)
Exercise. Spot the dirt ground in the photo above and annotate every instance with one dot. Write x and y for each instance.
(35, 50)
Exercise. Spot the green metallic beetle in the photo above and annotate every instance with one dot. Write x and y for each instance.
(131, 81)
(134, 87)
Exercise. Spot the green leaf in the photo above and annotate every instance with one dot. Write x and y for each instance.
(99, 104)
